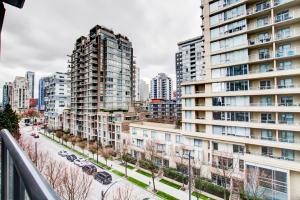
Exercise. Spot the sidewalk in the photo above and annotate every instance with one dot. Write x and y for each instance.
(115, 164)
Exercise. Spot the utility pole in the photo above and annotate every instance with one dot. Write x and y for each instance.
(97, 146)
(190, 177)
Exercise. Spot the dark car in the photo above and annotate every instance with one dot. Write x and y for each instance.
(71, 157)
(103, 177)
(89, 169)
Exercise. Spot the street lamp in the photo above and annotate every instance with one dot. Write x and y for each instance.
(104, 193)
(190, 177)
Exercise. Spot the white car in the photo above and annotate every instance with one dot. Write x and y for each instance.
(80, 162)
(63, 153)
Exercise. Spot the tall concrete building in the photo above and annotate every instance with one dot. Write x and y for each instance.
(246, 110)
(102, 78)
(7, 94)
(57, 98)
(161, 87)
(144, 90)
(20, 100)
(30, 81)
(41, 98)
(189, 65)
(137, 84)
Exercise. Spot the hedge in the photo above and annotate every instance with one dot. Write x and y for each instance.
(209, 187)
(172, 173)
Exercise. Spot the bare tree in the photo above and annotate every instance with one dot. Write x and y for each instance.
(180, 156)
(151, 152)
(253, 188)
(106, 152)
(75, 185)
(123, 193)
(93, 148)
(124, 153)
(54, 173)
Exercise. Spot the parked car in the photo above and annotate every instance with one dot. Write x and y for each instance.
(80, 162)
(89, 169)
(71, 157)
(63, 153)
(103, 177)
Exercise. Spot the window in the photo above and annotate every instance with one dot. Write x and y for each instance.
(197, 143)
(153, 134)
(267, 118)
(263, 21)
(287, 118)
(188, 102)
(167, 137)
(238, 149)
(229, 43)
(285, 65)
(285, 83)
(286, 101)
(266, 135)
(215, 146)
(188, 127)
(284, 50)
(228, 29)
(265, 68)
(188, 114)
(231, 57)
(288, 154)
(282, 16)
(286, 136)
(265, 84)
(283, 33)
(267, 151)
(263, 53)
(266, 101)
(262, 6)
(241, 165)
(178, 139)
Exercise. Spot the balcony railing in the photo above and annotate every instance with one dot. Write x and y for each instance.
(19, 177)
(287, 34)
(288, 52)
(256, 25)
(278, 2)
(259, 40)
(284, 17)
(254, 9)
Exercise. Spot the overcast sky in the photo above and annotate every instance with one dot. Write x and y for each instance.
(41, 35)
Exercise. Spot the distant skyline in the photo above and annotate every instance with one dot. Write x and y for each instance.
(40, 36)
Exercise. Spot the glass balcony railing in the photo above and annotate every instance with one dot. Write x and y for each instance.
(20, 178)
(278, 2)
(283, 17)
(259, 40)
(288, 52)
(287, 34)
(257, 9)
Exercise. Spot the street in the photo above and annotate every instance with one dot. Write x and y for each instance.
(45, 144)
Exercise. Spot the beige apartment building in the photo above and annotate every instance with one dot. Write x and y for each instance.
(249, 101)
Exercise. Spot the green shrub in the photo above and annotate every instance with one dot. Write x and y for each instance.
(175, 175)
(207, 186)
(144, 173)
(129, 158)
(171, 184)
(166, 196)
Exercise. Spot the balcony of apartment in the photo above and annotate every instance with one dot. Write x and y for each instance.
(289, 52)
(260, 40)
(288, 34)
(221, 6)
(284, 3)
(259, 9)
(261, 55)
(272, 156)
(259, 25)
(20, 178)
(287, 17)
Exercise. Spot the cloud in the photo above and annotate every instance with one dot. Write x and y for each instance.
(41, 35)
